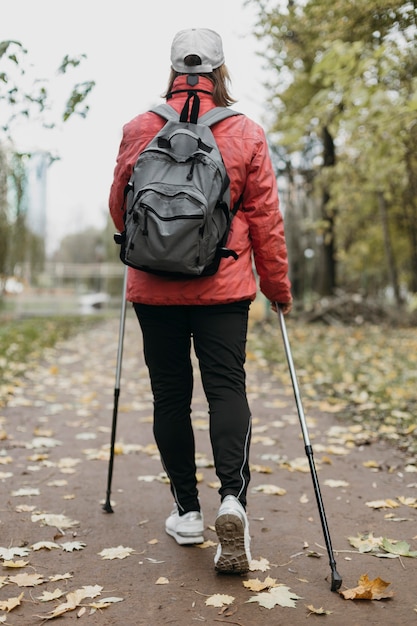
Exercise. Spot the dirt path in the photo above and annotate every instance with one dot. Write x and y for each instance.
(53, 461)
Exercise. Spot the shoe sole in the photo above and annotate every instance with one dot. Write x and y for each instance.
(185, 540)
(230, 531)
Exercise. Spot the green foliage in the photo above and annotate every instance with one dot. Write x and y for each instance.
(351, 68)
(25, 98)
(28, 96)
(364, 374)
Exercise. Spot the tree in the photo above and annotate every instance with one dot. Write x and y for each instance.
(344, 77)
(25, 97)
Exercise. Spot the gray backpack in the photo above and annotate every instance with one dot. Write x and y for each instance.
(178, 213)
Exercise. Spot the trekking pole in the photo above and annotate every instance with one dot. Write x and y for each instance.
(107, 505)
(336, 578)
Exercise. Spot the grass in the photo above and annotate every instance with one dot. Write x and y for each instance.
(22, 343)
(366, 374)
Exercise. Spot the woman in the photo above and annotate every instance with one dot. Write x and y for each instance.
(212, 312)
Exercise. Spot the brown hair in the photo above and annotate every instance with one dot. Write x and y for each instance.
(220, 78)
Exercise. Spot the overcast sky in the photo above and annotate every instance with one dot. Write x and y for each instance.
(127, 44)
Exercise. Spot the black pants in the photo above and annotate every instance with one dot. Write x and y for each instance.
(219, 336)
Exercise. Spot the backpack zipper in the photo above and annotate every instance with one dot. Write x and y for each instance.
(149, 209)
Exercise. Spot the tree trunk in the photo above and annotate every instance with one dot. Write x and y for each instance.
(389, 253)
(326, 282)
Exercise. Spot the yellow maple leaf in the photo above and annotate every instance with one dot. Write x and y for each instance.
(45, 545)
(383, 504)
(27, 580)
(47, 596)
(54, 579)
(259, 565)
(219, 600)
(258, 585)
(11, 603)
(15, 563)
(116, 553)
(281, 594)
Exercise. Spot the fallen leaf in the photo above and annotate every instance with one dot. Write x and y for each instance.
(90, 591)
(43, 442)
(270, 490)
(116, 553)
(366, 543)
(262, 469)
(399, 548)
(11, 603)
(70, 546)
(104, 603)
(265, 441)
(368, 590)
(50, 519)
(411, 502)
(26, 491)
(27, 580)
(299, 464)
(147, 478)
(73, 600)
(47, 596)
(111, 600)
(277, 595)
(219, 600)
(57, 483)
(257, 585)
(44, 545)
(259, 565)
(15, 563)
(25, 508)
(57, 577)
(383, 504)
(371, 464)
(162, 581)
(319, 611)
(9, 553)
(336, 483)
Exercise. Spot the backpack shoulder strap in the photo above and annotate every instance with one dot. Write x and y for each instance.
(217, 115)
(166, 111)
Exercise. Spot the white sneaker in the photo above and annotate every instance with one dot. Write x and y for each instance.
(232, 528)
(186, 529)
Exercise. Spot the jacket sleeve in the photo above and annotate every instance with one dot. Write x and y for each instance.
(124, 165)
(266, 224)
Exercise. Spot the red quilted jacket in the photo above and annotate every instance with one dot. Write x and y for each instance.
(257, 231)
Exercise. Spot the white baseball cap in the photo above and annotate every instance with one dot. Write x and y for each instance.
(203, 42)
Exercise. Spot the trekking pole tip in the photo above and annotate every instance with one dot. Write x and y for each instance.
(336, 581)
(107, 507)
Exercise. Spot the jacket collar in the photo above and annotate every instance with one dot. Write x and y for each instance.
(204, 87)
